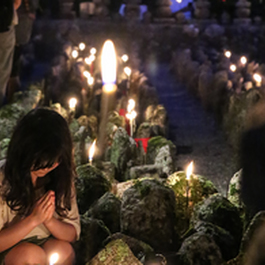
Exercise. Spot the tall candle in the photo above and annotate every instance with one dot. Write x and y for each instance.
(108, 68)
(188, 175)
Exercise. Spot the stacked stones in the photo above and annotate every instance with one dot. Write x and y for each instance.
(132, 9)
(101, 8)
(202, 9)
(243, 11)
(66, 8)
(163, 9)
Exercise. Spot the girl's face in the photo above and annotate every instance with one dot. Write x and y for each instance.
(42, 172)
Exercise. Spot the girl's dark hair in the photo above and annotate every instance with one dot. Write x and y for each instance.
(40, 139)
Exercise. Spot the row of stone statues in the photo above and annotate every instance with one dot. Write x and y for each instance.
(156, 8)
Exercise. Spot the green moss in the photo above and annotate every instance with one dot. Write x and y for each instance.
(233, 190)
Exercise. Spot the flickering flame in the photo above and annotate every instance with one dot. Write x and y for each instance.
(72, 103)
(127, 71)
(189, 170)
(93, 51)
(132, 115)
(228, 54)
(87, 60)
(233, 68)
(125, 58)
(131, 105)
(108, 63)
(82, 46)
(243, 60)
(54, 258)
(92, 151)
(179, 1)
(86, 74)
(75, 54)
(257, 78)
(92, 57)
(90, 80)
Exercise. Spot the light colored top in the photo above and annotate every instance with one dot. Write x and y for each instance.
(7, 217)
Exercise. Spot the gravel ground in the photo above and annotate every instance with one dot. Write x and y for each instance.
(194, 131)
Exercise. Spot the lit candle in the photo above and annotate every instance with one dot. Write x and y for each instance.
(75, 54)
(82, 46)
(131, 117)
(131, 105)
(54, 258)
(188, 175)
(125, 58)
(91, 152)
(93, 50)
(108, 67)
(258, 79)
(228, 54)
(232, 67)
(72, 104)
(90, 81)
(86, 74)
(243, 60)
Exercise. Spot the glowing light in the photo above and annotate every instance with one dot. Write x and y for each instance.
(228, 54)
(125, 58)
(258, 79)
(108, 64)
(93, 51)
(179, 1)
(127, 71)
(86, 74)
(189, 170)
(75, 54)
(87, 60)
(131, 105)
(82, 46)
(92, 152)
(243, 60)
(233, 68)
(92, 57)
(90, 80)
(72, 103)
(54, 258)
(131, 116)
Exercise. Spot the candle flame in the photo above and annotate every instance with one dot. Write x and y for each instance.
(108, 63)
(54, 258)
(90, 80)
(179, 1)
(257, 78)
(233, 68)
(243, 60)
(131, 105)
(92, 57)
(125, 58)
(72, 103)
(228, 54)
(82, 46)
(92, 151)
(127, 71)
(75, 54)
(86, 74)
(88, 61)
(93, 51)
(132, 115)
(189, 170)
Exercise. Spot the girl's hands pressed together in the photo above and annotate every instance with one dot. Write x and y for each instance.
(44, 208)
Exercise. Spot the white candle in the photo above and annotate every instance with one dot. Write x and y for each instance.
(188, 175)
(108, 68)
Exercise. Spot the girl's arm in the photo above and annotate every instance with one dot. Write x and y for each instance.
(15, 233)
(61, 230)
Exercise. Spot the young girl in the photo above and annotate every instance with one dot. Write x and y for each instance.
(38, 210)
